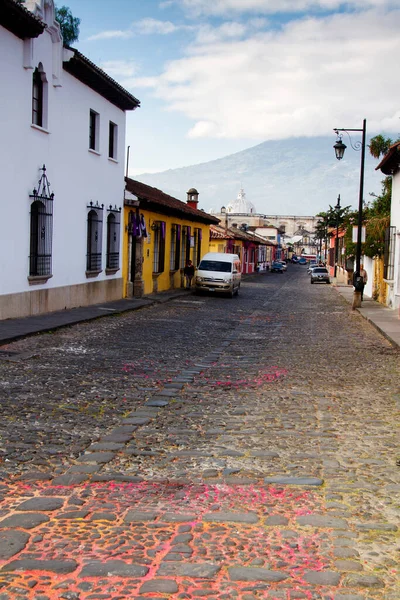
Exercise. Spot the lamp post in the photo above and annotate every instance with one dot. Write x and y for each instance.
(339, 151)
(337, 208)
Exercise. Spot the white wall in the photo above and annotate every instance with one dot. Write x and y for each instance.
(76, 175)
(394, 293)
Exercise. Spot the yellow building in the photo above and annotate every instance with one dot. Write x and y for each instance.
(161, 234)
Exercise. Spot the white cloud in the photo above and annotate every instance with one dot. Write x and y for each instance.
(110, 35)
(227, 7)
(310, 76)
(150, 26)
(147, 26)
(120, 68)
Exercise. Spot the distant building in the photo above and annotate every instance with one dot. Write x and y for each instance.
(243, 213)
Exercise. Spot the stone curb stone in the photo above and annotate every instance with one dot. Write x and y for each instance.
(179, 518)
(110, 568)
(158, 403)
(69, 479)
(294, 480)
(12, 542)
(135, 516)
(375, 527)
(322, 521)
(364, 581)
(322, 577)
(29, 564)
(255, 574)
(97, 457)
(73, 514)
(229, 517)
(46, 504)
(196, 570)
(24, 520)
(162, 586)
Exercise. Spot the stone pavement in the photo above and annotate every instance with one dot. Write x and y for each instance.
(386, 320)
(247, 464)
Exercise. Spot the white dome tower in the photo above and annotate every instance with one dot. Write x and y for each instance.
(241, 205)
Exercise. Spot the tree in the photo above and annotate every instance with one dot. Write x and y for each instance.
(69, 25)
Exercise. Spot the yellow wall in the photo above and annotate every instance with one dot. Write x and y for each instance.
(380, 287)
(167, 279)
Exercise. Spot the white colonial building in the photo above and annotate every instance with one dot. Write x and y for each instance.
(62, 153)
(390, 165)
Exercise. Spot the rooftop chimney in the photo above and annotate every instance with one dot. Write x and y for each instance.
(192, 198)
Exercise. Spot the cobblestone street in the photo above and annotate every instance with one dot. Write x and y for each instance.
(206, 447)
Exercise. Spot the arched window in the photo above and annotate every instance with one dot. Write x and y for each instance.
(94, 240)
(41, 234)
(39, 97)
(41, 240)
(113, 229)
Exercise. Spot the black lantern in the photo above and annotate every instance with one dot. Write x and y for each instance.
(339, 149)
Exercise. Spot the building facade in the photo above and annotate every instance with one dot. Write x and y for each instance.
(162, 234)
(390, 165)
(63, 131)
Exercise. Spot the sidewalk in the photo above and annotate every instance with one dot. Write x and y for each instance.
(386, 320)
(14, 329)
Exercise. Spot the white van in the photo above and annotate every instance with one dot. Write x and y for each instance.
(218, 273)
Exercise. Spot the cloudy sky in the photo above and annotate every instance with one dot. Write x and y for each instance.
(218, 76)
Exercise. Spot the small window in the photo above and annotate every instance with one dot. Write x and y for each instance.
(174, 261)
(112, 140)
(197, 246)
(389, 253)
(159, 247)
(39, 97)
(185, 245)
(94, 130)
(113, 237)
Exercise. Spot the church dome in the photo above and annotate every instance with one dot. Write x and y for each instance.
(241, 205)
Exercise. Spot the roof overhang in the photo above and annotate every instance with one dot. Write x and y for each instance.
(390, 163)
(88, 73)
(19, 20)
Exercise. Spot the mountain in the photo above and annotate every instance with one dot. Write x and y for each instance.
(298, 176)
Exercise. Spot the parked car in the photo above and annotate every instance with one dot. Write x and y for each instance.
(284, 265)
(302, 261)
(277, 267)
(320, 275)
(311, 266)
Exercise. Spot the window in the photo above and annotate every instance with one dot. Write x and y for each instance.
(41, 233)
(39, 97)
(41, 237)
(112, 140)
(94, 238)
(197, 247)
(174, 259)
(159, 247)
(113, 238)
(185, 245)
(388, 261)
(94, 119)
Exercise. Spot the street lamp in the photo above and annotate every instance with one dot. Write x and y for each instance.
(340, 147)
(337, 208)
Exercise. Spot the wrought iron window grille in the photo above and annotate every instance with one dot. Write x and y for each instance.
(41, 228)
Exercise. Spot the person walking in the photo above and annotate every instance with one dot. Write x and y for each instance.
(188, 272)
(364, 275)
